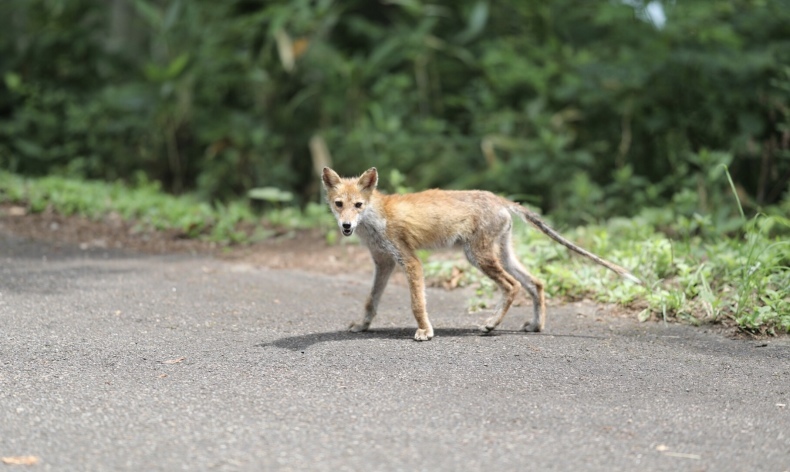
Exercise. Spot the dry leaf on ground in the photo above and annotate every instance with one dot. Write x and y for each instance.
(20, 460)
(174, 361)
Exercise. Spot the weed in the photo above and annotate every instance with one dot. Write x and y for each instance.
(745, 279)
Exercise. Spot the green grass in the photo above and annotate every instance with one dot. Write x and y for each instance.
(151, 208)
(731, 269)
(699, 279)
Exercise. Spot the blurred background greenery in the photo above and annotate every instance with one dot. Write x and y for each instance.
(584, 109)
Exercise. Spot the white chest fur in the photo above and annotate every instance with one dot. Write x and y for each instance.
(372, 230)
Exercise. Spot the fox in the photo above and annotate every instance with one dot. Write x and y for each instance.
(394, 227)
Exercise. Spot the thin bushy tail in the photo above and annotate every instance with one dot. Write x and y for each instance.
(535, 220)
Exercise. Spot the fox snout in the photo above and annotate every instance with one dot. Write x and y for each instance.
(347, 221)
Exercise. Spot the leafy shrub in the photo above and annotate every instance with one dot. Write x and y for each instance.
(586, 110)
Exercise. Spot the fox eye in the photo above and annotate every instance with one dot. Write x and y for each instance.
(358, 204)
(339, 204)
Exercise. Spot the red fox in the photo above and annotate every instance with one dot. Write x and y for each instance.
(394, 226)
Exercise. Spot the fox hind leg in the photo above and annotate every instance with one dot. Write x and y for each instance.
(488, 261)
(531, 284)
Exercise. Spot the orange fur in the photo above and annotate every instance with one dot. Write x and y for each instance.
(394, 226)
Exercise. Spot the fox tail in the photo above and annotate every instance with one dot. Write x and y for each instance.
(535, 220)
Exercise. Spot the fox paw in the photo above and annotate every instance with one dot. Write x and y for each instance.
(485, 329)
(532, 327)
(358, 326)
(489, 325)
(423, 334)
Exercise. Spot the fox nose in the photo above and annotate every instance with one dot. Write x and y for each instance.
(346, 225)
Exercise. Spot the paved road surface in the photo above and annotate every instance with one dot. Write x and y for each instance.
(128, 362)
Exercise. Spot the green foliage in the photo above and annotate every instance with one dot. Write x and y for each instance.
(745, 278)
(270, 194)
(151, 209)
(585, 109)
(695, 267)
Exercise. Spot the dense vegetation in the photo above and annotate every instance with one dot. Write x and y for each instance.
(587, 109)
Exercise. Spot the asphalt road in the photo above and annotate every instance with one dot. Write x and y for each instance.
(114, 361)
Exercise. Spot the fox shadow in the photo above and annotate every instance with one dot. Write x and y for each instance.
(302, 342)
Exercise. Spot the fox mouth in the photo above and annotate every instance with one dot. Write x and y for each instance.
(347, 232)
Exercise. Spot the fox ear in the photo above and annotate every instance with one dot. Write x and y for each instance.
(330, 178)
(369, 179)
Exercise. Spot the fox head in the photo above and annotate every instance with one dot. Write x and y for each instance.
(348, 198)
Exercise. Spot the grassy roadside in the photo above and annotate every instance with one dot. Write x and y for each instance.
(152, 209)
(699, 274)
(742, 279)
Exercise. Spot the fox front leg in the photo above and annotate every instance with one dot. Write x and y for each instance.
(384, 268)
(417, 288)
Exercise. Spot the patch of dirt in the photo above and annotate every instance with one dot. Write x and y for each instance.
(111, 232)
(302, 250)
